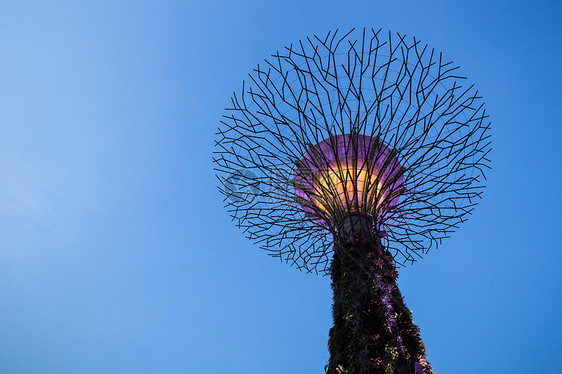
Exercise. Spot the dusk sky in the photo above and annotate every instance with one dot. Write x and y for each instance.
(117, 255)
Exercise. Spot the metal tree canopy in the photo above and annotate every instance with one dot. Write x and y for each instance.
(365, 122)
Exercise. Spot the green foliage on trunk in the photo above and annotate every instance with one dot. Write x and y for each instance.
(373, 331)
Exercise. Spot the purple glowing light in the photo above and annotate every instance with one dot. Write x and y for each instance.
(348, 173)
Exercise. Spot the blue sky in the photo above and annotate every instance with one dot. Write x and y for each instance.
(108, 200)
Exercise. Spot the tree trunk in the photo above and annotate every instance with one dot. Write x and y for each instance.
(373, 330)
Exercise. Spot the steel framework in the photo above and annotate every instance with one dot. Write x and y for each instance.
(394, 91)
(379, 85)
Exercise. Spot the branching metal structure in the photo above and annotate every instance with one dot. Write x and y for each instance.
(379, 115)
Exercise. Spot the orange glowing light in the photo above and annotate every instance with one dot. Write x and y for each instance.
(348, 187)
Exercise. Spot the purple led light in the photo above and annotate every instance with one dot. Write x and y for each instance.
(352, 153)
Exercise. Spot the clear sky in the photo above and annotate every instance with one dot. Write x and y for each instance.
(108, 199)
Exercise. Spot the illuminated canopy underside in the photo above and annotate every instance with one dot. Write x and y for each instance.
(347, 174)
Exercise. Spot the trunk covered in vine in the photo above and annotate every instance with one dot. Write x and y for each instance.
(373, 331)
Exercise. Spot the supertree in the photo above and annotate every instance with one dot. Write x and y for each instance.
(350, 155)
